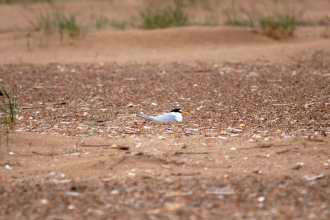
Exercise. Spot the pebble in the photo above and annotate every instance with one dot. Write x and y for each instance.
(8, 167)
(71, 207)
(261, 199)
(44, 201)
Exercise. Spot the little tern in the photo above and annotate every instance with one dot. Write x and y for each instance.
(174, 115)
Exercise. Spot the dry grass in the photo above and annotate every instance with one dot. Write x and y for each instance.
(8, 112)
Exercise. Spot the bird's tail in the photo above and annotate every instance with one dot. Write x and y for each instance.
(146, 117)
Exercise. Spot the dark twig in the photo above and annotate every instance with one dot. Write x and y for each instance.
(118, 162)
(286, 150)
(41, 154)
(191, 152)
(111, 146)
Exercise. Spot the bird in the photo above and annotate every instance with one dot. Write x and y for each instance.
(173, 116)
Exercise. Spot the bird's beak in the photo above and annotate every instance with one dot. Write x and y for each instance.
(184, 113)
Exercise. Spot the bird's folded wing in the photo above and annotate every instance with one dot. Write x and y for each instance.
(168, 117)
(146, 117)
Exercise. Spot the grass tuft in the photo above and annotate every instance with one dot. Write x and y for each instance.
(280, 26)
(239, 16)
(164, 17)
(67, 23)
(57, 21)
(8, 108)
(101, 22)
(8, 112)
(88, 132)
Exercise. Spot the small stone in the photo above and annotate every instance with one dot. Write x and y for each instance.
(8, 167)
(44, 201)
(298, 166)
(261, 199)
(234, 130)
(166, 166)
(131, 174)
(311, 177)
(257, 136)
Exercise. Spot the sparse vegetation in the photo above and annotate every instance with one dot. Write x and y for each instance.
(121, 25)
(233, 20)
(280, 26)
(8, 107)
(8, 111)
(101, 22)
(56, 20)
(170, 16)
(87, 133)
(174, 13)
(277, 25)
(238, 16)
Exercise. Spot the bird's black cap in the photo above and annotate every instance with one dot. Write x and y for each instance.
(176, 110)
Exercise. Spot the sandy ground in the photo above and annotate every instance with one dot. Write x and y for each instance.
(255, 144)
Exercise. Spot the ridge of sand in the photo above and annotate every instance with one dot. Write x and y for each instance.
(220, 44)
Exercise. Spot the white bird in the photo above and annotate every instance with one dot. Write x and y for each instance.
(174, 115)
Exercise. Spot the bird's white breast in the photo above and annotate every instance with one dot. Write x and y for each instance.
(178, 116)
